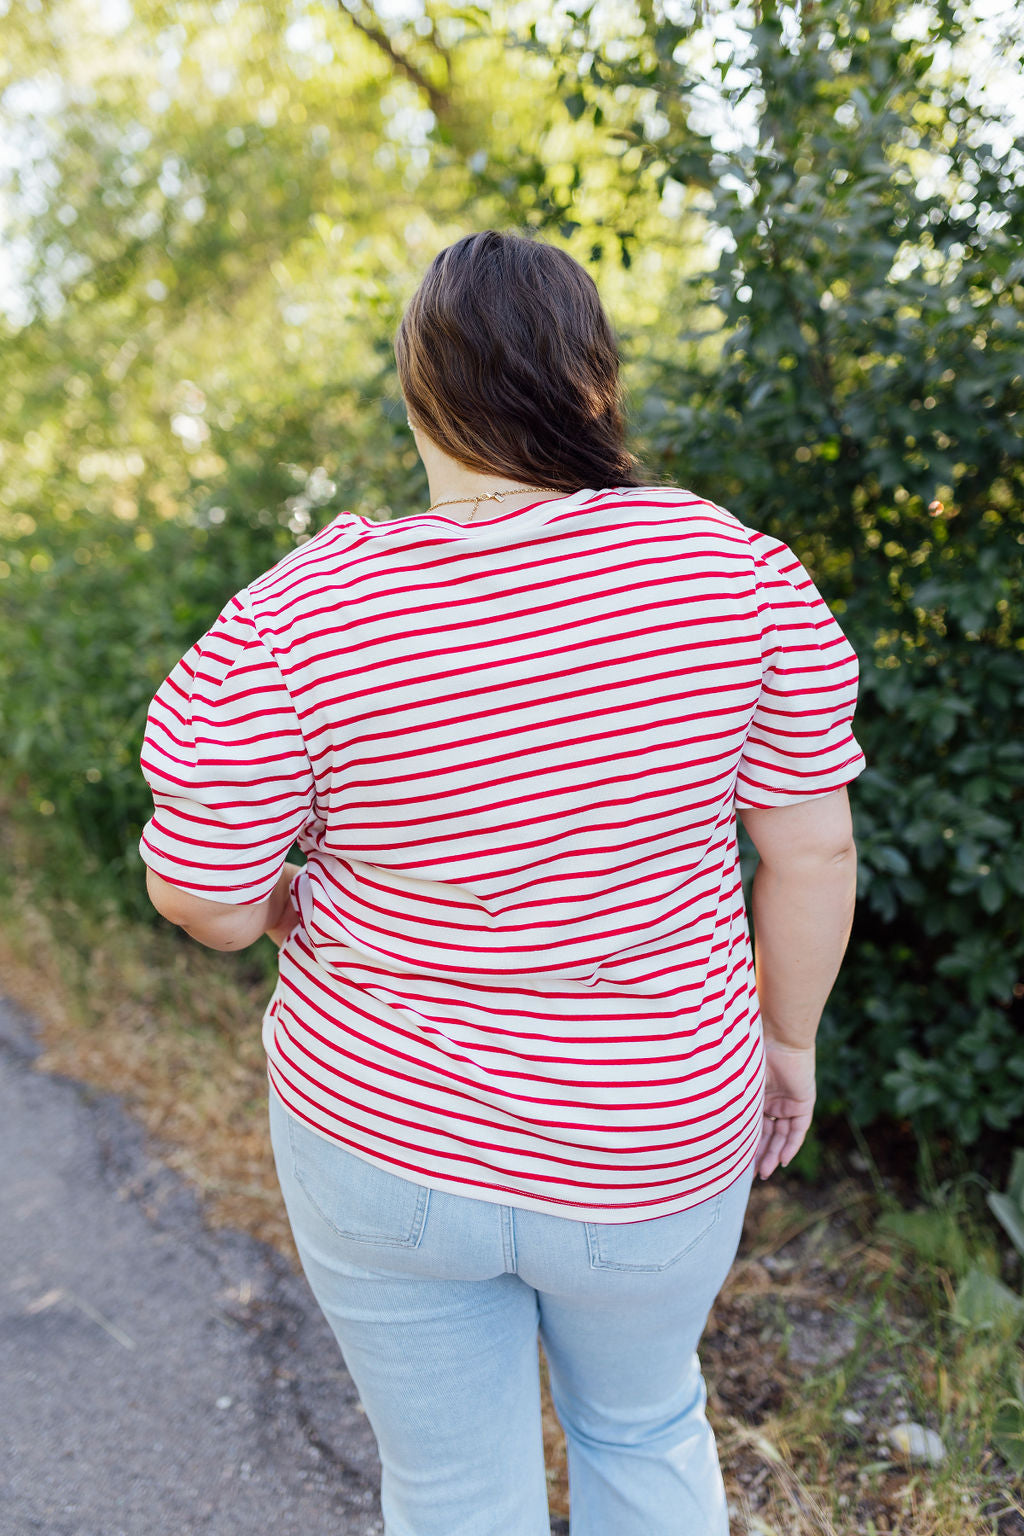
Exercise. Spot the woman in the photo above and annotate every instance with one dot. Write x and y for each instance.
(519, 1077)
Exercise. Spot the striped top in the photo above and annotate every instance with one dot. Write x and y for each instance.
(511, 751)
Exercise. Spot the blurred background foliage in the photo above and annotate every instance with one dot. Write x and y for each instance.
(806, 222)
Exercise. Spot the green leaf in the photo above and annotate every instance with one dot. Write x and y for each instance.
(1008, 1434)
(983, 1301)
(934, 1235)
(1015, 1187)
(1011, 1217)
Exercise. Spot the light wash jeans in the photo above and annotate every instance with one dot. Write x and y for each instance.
(437, 1299)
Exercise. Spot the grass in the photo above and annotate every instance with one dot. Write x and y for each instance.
(835, 1325)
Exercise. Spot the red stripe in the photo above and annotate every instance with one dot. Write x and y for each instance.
(461, 1115)
(433, 900)
(221, 890)
(165, 810)
(348, 1007)
(469, 858)
(462, 1179)
(490, 926)
(375, 982)
(208, 784)
(628, 754)
(788, 752)
(198, 842)
(395, 850)
(372, 559)
(548, 1058)
(618, 709)
(533, 679)
(363, 971)
(234, 868)
(791, 773)
(394, 641)
(396, 598)
(547, 1152)
(615, 712)
(565, 815)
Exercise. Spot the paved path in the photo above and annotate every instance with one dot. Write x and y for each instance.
(156, 1378)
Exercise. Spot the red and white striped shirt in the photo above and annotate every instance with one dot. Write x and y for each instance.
(511, 751)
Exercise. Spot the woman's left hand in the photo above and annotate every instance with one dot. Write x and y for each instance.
(788, 1104)
(283, 914)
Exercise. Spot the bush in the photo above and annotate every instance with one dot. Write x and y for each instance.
(95, 615)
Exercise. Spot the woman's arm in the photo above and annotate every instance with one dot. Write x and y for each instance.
(220, 926)
(803, 897)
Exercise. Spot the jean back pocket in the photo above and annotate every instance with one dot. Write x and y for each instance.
(651, 1246)
(357, 1200)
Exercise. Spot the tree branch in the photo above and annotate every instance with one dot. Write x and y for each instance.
(439, 103)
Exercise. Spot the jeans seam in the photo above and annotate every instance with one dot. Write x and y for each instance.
(508, 1238)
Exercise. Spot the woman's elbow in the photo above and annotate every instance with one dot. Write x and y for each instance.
(212, 924)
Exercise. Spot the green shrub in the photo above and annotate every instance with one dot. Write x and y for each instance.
(94, 616)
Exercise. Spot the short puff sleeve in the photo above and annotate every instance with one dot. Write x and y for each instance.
(225, 758)
(800, 744)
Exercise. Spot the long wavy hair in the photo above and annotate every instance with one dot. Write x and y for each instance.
(509, 364)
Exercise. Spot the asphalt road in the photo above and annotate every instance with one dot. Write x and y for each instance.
(156, 1378)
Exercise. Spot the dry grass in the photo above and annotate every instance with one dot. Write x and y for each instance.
(175, 1030)
(825, 1335)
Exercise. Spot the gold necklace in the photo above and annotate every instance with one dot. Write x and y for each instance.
(513, 490)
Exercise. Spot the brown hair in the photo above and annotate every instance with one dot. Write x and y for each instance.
(508, 363)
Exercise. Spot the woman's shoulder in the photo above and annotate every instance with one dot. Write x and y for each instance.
(681, 503)
(317, 553)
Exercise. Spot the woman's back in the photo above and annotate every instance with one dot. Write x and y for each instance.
(512, 751)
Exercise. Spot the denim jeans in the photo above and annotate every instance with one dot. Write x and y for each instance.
(437, 1299)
